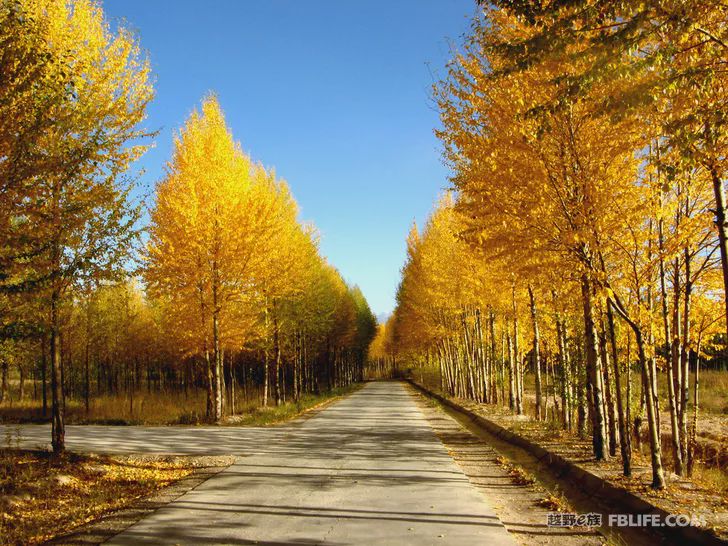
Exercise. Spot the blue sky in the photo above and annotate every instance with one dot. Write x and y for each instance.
(335, 94)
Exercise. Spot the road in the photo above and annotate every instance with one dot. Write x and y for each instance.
(366, 470)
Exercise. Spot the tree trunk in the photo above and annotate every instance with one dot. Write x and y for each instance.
(517, 357)
(511, 375)
(565, 372)
(649, 395)
(21, 394)
(696, 405)
(610, 408)
(130, 389)
(209, 407)
(58, 433)
(4, 380)
(487, 370)
(466, 352)
(216, 379)
(536, 356)
(296, 366)
(673, 373)
(210, 384)
(648, 368)
(628, 409)
(44, 372)
(223, 385)
(266, 356)
(87, 379)
(578, 374)
(277, 357)
(594, 374)
(721, 225)
(624, 437)
(492, 366)
(684, 387)
(503, 368)
(233, 380)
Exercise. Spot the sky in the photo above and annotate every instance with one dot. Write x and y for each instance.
(333, 94)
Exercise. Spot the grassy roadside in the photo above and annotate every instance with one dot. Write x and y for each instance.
(168, 408)
(273, 415)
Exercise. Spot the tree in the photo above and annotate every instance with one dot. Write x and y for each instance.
(76, 220)
(225, 243)
(202, 247)
(667, 57)
(571, 172)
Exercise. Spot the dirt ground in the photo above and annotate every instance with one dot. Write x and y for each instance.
(90, 496)
(110, 525)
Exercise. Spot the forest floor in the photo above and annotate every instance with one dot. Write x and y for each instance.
(42, 496)
(712, 429)
(706, 494)
(711, 447)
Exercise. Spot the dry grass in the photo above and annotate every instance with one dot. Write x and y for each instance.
(143, 408)
(712, 448)
(162, 408)
(711, 479)
(713, 391)
(255, 415)
(42, 496)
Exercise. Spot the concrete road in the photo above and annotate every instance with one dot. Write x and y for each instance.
(367, 470)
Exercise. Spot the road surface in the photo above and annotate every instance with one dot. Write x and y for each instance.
(366, 470)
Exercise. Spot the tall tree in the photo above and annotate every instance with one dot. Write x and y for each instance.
(75, 220)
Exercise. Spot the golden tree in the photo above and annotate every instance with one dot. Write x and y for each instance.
(87, 89)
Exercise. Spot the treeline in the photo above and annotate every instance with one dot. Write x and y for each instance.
(116, 342)
(585, 239)
(382, 356)
(234, 269)
(224, 287)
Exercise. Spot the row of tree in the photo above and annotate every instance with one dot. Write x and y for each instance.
(234, 267)
(588, 145)
(226, 274)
